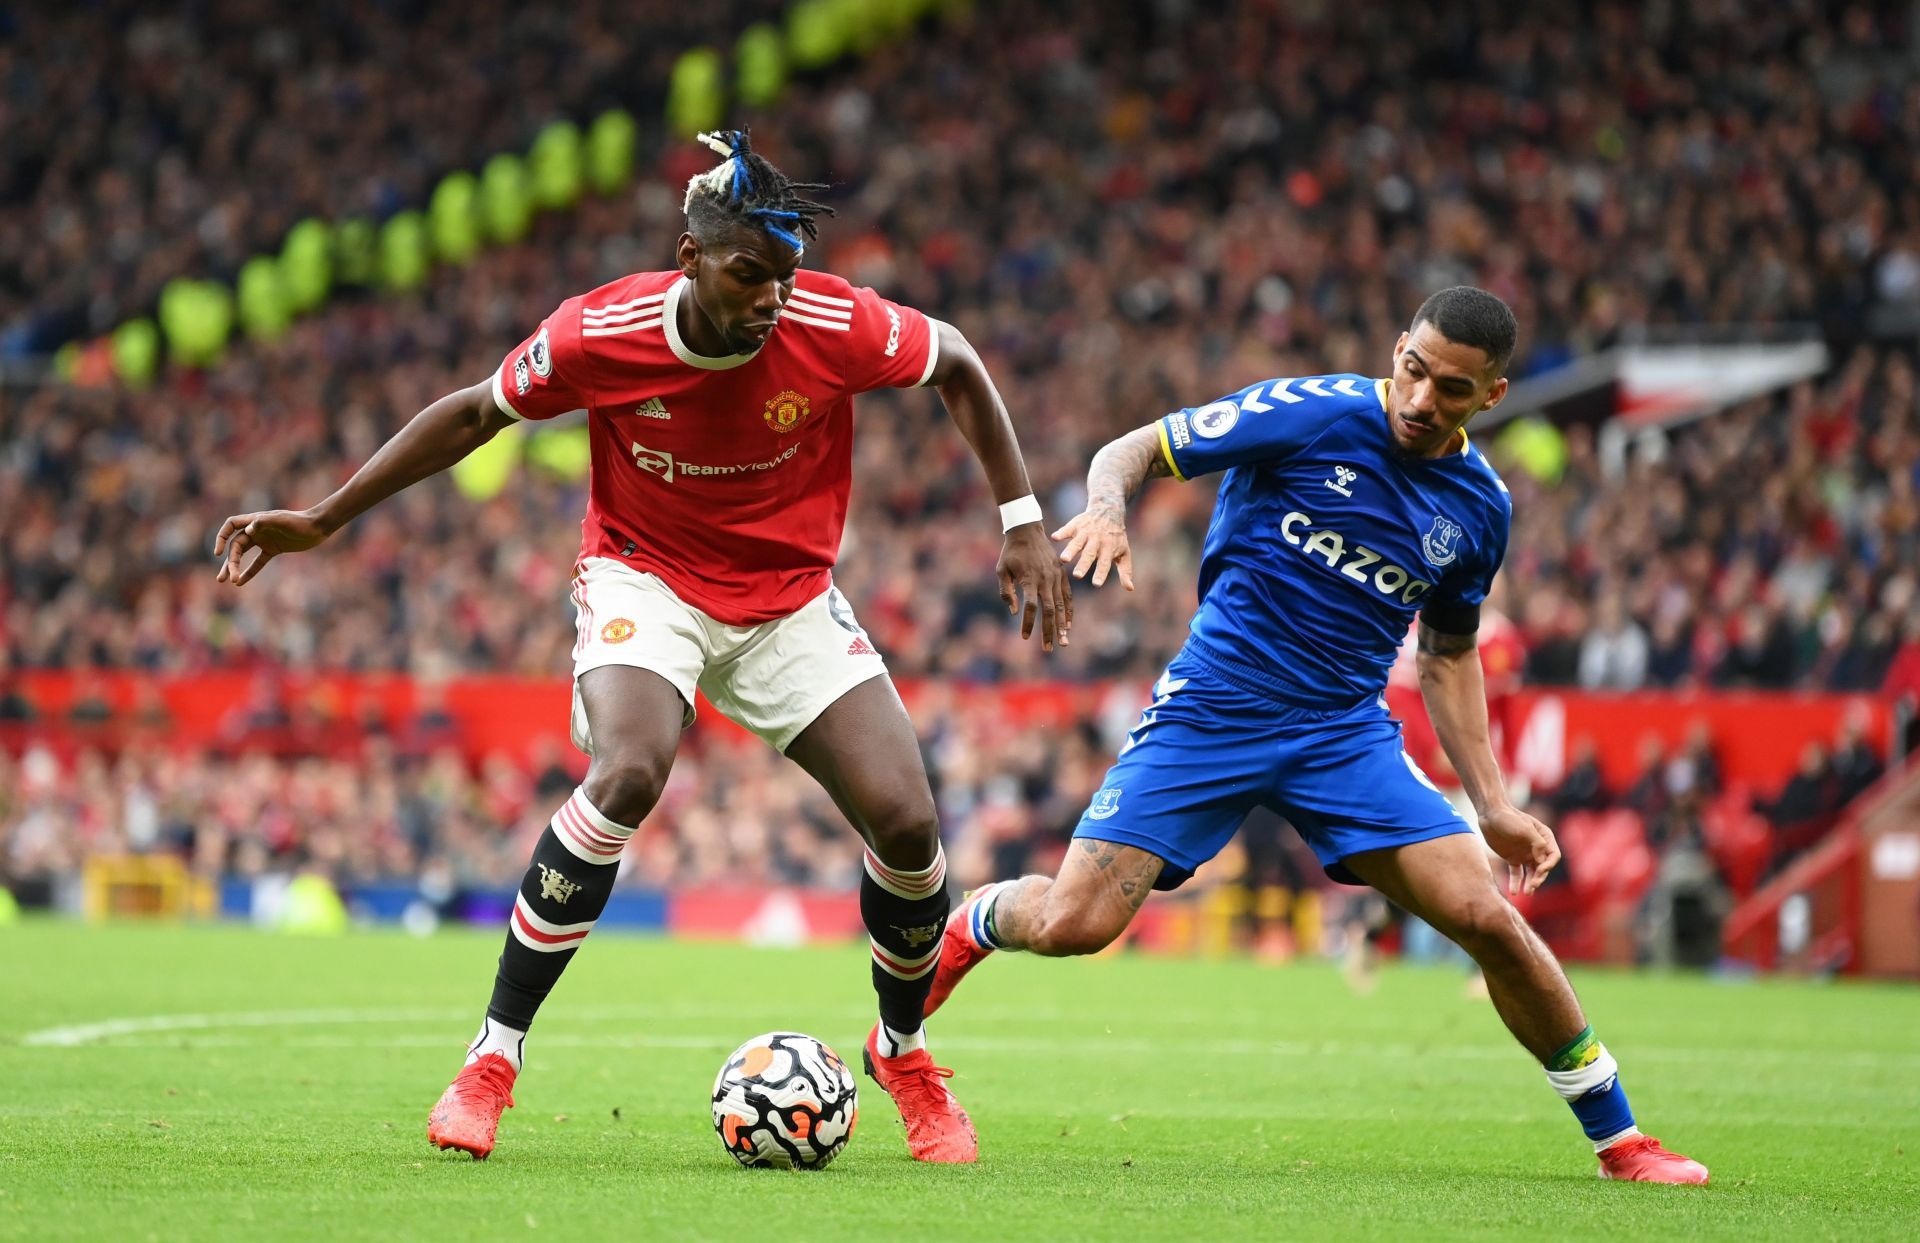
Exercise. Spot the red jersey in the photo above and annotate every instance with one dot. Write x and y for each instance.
(726, 477)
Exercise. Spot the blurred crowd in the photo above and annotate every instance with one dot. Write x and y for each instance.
(1127, 209)
(1773, 545)
(150, 141)
(405, 801)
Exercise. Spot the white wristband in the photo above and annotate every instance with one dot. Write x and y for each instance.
(1019, 513)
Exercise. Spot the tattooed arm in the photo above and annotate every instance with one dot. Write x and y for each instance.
(1456, 696)
(1097, 537)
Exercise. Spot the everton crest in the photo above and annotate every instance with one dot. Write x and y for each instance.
(1441, 543)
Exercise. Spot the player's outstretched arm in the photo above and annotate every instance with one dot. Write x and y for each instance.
(1027, 566)
(432, 440)
(1097, 537)
(1455, 691)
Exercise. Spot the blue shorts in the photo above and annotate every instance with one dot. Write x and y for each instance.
(1211, 747)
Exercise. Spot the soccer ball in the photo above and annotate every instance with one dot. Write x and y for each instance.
(786, 1101)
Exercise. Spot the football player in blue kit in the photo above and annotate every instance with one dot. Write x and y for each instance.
(1348, 506)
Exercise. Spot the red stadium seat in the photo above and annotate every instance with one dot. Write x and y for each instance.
(1739, 840)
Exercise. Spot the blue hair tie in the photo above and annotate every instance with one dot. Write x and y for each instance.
(742, 181)
(767, 216)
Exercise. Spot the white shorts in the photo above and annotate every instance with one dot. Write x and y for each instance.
(774, 679)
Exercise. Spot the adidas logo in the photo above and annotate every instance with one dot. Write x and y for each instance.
(652, 408)
(860, 647)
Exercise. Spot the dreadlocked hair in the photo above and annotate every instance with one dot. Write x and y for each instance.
(744, 189)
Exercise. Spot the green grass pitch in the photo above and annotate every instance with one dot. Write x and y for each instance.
(217, 1083)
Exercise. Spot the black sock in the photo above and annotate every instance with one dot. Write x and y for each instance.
(566, 887)
(905, 913)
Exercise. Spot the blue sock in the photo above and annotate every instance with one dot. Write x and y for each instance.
(1588, 1078)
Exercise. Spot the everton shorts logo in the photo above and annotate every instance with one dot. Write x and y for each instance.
(1105, 804)
(1441, 543)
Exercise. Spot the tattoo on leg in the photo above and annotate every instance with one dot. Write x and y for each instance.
(1136, 887)
(1102, 853)
(1136, 872)
(1009, 923)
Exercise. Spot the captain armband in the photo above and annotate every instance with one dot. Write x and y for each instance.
(1453, 619)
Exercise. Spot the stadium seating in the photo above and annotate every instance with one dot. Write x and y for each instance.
(1153, 243)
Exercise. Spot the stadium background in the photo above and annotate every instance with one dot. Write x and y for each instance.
(242, 245)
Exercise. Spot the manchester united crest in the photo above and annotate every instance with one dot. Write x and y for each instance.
(787, 411)
(619, 630)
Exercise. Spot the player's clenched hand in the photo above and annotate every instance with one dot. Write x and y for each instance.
(1525, 843)
(1098, 539)
(272, 531)
(1027, 565)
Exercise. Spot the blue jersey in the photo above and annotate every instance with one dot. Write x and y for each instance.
(1327, 539)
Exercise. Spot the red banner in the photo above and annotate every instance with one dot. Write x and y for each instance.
(1758, 737)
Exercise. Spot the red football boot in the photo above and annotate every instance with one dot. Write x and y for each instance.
(468, 1112)
(959, 952)
(1641, 1159)
(938, 1130)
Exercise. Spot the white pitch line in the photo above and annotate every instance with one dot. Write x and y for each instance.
(107, 1029)
(72, 1035)
(77, 1035)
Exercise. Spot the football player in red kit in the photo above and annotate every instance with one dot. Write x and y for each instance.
(719, 399)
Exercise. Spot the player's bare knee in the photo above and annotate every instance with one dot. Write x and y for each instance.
(904, 830)
(1485, 924)
(624, 785)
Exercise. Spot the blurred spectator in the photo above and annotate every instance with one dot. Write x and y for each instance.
(1695, 769)
(1648, 794)
(263, 717)
(1613, 655)
(1855, 765)
(1583, 788)
(90, 705)
(15, 707)
(1670, 648)
(1804, 807)
(1689, 898)
(1758, 654)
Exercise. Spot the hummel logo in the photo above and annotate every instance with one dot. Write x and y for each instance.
(652, 408)
(1342, 479)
